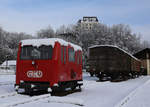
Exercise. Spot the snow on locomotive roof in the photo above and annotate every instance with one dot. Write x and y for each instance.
(114, 46)
(49, 41)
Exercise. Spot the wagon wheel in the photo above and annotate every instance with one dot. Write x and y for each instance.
(114, 76)
(91, 74)
(100, 76)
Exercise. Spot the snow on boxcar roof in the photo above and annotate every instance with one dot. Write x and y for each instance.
(48, 41)
(114, 46)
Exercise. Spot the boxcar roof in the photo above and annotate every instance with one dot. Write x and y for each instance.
(48, 41)
(114, 46)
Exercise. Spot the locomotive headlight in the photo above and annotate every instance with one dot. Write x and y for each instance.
(21, 81)
(55, 85)
(32, 85)
(49, 90)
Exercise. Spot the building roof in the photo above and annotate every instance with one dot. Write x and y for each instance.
(142, 54)
(90, 17)
(9, 62)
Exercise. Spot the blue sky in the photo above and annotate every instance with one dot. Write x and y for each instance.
(32, 15)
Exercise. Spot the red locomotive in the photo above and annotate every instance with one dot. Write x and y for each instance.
(48, 64)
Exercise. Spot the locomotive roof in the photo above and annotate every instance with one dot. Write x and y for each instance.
(114, 46)
(48, 41)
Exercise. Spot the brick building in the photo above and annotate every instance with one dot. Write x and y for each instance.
(144, 56)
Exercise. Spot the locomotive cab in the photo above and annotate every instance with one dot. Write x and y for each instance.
(35, 65)
(44, 65)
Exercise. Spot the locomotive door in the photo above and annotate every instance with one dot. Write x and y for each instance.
(71, 63)
(64, 67)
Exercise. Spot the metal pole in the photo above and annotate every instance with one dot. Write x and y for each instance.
(6, 62)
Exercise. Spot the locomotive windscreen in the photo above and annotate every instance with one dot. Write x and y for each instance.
(34, 53)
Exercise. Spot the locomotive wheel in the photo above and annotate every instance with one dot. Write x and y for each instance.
(29, 91)
(73, 87)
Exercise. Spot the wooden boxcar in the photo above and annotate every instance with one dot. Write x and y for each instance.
(112, 62)
(48, 64)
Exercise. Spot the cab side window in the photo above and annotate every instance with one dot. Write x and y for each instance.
(63, 54)
(71, 55)
(80, 55)
(78, 58)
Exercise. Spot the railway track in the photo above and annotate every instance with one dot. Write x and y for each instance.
(8, 95)
(6, 83)
(133, 93)
(14, 99)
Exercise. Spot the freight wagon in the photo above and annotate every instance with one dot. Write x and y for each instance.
(111, 62)
(48, 64)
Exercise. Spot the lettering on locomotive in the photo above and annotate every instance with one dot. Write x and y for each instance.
(35, 74)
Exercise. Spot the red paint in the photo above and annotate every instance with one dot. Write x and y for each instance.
(53, 70)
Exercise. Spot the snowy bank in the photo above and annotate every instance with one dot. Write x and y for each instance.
(6, 72)
(137, 98)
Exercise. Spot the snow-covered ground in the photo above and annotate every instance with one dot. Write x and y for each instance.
(137, 98)
(6, 72)
(7, 84)
(130, 93)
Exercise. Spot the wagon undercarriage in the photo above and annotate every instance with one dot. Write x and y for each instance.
(115, 76)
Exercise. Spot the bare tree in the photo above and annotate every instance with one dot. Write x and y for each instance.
(62, 29)
(46, 33)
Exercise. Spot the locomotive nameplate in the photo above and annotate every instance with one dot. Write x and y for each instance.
(35, 74)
